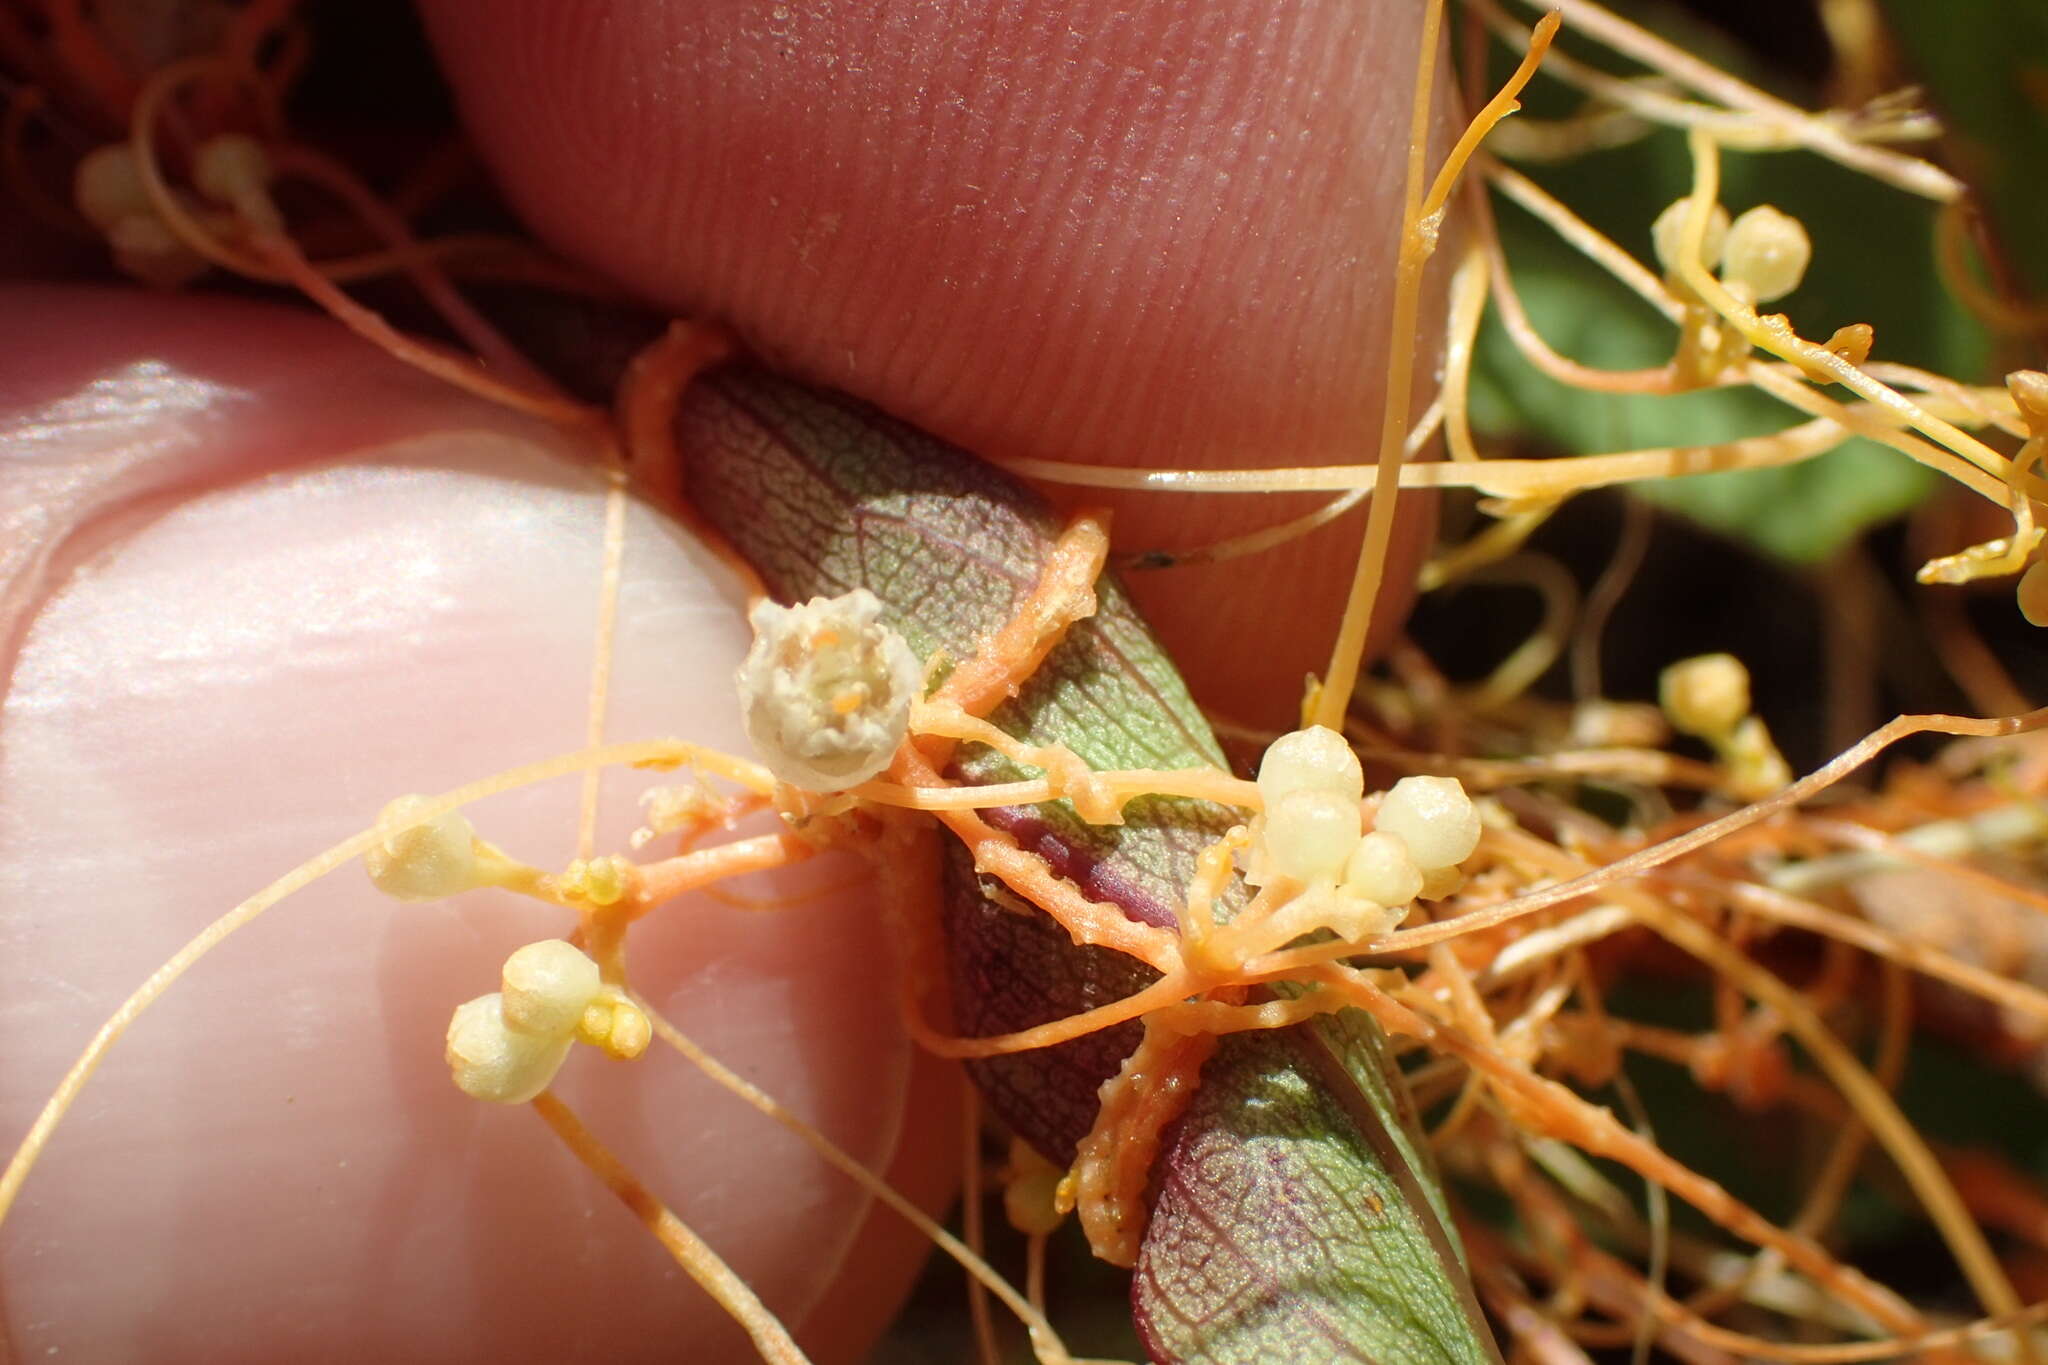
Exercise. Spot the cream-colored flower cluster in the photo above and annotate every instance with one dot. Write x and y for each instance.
(505, 1047)
(1312, 833)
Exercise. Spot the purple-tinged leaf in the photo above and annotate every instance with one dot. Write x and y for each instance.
(1290, 1225)
(823, 494)
(1297, 1218)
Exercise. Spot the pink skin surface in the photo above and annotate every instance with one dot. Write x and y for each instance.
(1155, 234)
(256, 580)
(260, 580)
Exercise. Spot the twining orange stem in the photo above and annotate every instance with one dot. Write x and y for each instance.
(1063, 594)
(1421, 221)
(672, 877)
(1537, 1104)
(691, 1252)
(1113, 1164)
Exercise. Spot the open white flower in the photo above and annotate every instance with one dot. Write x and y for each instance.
(826, 690)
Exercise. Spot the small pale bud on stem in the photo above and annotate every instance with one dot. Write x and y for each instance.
(2029, 390)
(493, 1062)
(507, 1046)
(1706, 696)
(422, 860)
(1315, 759)
(1755, 767)
(2033, 594)
(547, 986)
(1310, 834)
(1382, 870)
(231, 169)
(1768, 251)
(1434, 818)
(1031, 1191)
(1668, 232)
(107, 186)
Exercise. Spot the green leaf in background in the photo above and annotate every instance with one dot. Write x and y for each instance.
(1873, 263)
(1302, 1195)
(1804, 513)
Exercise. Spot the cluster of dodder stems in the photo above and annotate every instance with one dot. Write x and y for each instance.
(1470, 930)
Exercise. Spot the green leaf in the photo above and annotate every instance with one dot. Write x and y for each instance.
(1239, 1259)
(822, 494)
(1872, 263)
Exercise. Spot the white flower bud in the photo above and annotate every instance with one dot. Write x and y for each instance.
(422, 861)
(494, 1063)
(229, 166)
(1706, 696)
(1433, 817)
(1031, 1191)
(1315, 759)
(1755, 767)
(107, 186)
(2033, 593)
(148, 251)
(1439, 882)
(1309, 834)
(1669, 230)
(2029, 390)
(1768, 251)
(1381, 869)
(826, 690)
(1598, 723)
(547, 986)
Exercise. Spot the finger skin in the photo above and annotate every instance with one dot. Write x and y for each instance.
(260, 580)
(1158, 235)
